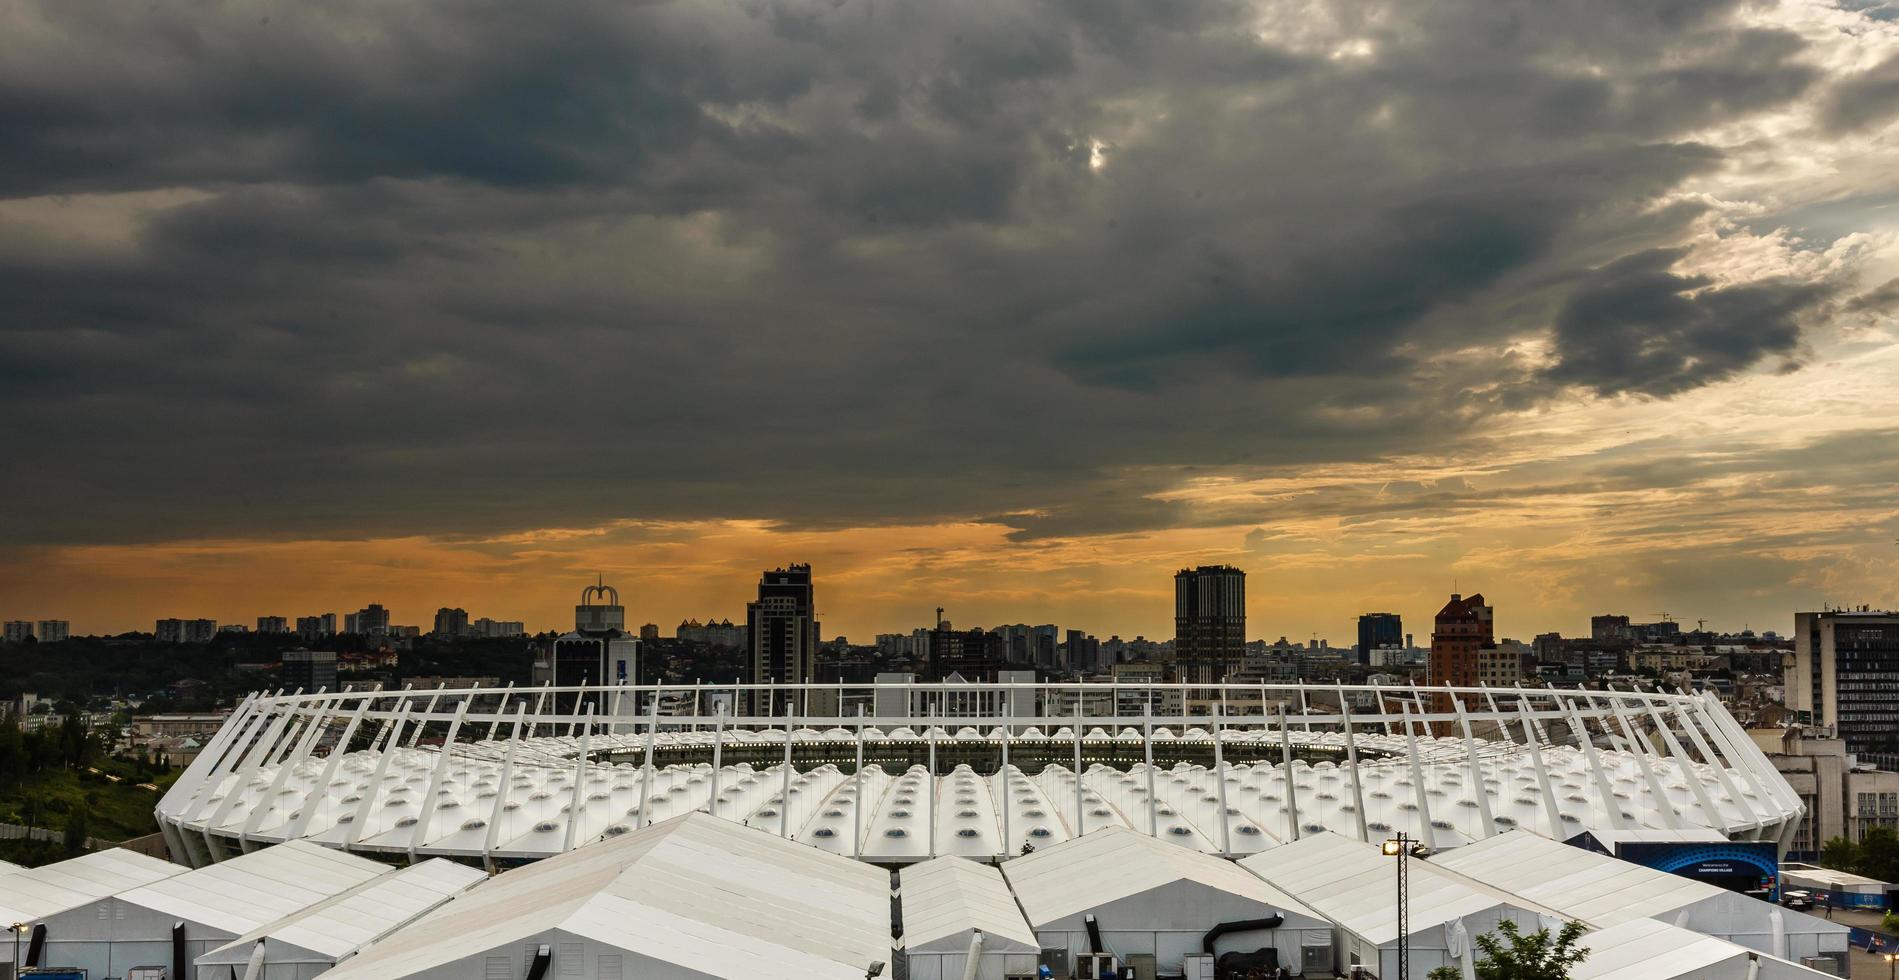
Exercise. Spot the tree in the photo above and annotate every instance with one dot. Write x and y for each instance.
(1509, 954)
(75, 835)
(1840, 854)
(1879, 854)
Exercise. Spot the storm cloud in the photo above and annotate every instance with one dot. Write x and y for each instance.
(445, 267)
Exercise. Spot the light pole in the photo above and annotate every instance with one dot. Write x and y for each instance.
(18, 928)
(1404, 848)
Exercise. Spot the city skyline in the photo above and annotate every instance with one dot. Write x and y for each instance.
(1416, 624)
(1013, 310)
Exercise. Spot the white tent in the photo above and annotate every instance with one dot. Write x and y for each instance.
(1604, 891)
(1353, 885)
(1644, 949)
(304, 944)
(946, 902)
(1149, 896)
(1840, 888)
(8, 867)
(33, 894)
(694, 897)
(216, 904)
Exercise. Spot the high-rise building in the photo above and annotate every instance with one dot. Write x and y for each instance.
(1611, 629)
(782, 626)
(450, 622)
(1209, 622)
(273, 624)
(371, 620)
(497, 628)
(55, 630)
(1464, 629)
(309, 670)
(19, 630)
(1375, 630)
(1845, 676)
(313, 628)
(185, 630)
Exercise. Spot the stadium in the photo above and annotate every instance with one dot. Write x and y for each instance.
(895, 774)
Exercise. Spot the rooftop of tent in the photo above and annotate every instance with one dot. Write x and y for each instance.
(944, 900)
(1646, 949)
(696, 891)
(345, 923)
(35, 893)
(1116, 863)
(1350, 882)
(252, 889)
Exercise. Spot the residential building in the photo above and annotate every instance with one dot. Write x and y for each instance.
(55, 630)
(497, 628)
(1375, 630)
(19, 630)
(309, 670)
(1845, 676)
(783, 627)
(371, 620)
(1611, 629)
(723, 633)
(649, 632)
(185, 630)
(313, 628)
(1460, 637)
(450, 622)
(273, 624)
(1209, 622)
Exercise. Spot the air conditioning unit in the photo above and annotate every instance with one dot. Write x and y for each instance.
(1097, 966)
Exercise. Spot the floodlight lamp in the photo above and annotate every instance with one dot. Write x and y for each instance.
(1393, 848)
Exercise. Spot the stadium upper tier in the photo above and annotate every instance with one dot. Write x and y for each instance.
(505, 775)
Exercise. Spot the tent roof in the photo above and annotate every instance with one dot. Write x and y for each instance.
(945, 898)
(343, 924)
(1350, 882)
(1645, 949)
(35, 893)
(1600, 890)
(1115, 863)
(249, 890)
(696, 891)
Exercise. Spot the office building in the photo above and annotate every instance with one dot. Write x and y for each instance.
(309, 670)
(1376, 631)
(450, 622)
(783, 627)
(1209, 622)
(19, 631)
(1845, 676)
(273, 624)
(371, 620)
(599, 650)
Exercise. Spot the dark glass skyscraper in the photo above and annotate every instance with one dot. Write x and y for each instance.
(1378, 630)
(1209, 622)
(782, 627)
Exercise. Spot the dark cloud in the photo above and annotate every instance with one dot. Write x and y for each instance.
(1861, 100)
(1634, 326)
(472, 265)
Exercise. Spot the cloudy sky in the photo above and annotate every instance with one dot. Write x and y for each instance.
(1009, 306)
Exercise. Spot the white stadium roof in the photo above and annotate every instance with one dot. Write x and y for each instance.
(340, 926)
(35, 893)
(696, 893)
(946, 899)
(1672, 765)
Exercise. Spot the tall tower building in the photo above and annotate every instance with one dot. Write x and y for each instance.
(1463, 631)
(783, 628)
(1845, 675)
(1209, 622)
(1378, 630)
